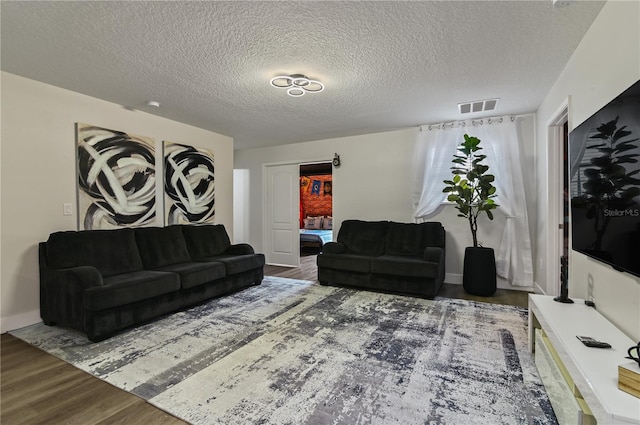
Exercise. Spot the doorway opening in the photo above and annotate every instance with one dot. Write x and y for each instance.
(316, 206)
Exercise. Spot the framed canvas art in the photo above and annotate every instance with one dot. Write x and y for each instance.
(116, 178)
(189, 184)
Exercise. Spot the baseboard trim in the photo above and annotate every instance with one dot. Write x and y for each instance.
(456, 279)
(538, 289)
(18, 321)
(506, 285)
(453, 278)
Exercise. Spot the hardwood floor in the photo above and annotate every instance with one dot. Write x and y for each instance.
(37, 388)
(307, 270)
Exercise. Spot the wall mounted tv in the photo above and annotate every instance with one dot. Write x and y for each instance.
(605, 183)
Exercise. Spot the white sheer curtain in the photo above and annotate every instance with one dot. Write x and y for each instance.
(434, 152)
(500, 142)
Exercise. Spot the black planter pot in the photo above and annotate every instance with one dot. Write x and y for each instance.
(479, 275)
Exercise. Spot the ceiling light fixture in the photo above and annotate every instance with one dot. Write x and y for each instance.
(297, 84)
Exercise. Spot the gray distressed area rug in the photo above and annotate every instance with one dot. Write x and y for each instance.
(295, 352)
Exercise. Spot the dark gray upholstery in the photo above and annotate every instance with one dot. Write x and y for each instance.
(410, 239)
(109, 251)
(161, 246)
(206, 241)
(387, 256)
(128, 288)
(363, 237)
(351, 262)
(102, 281)
(194, 274)
(404, 266)
(236, 264)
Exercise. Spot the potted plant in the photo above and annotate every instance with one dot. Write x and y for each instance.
(472, 191)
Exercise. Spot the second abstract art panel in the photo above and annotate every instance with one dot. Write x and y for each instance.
(189, 184)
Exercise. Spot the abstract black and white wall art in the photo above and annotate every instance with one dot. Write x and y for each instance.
(189, 184)
(116, 179)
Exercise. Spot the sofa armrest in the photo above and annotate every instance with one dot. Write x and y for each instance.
(333, 248)
(239, 249)
(75, 278)
(62, 292)
(433, 254)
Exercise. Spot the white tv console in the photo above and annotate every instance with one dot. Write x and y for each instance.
(582, 382)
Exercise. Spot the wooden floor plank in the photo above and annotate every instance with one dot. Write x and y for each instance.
(133, 414)
(37, 388)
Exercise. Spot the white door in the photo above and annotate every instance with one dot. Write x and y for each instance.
(282, 236)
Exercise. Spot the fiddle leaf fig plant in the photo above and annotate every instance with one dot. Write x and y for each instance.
(471, 188)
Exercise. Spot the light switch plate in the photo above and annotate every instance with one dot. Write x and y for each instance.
(66, 209)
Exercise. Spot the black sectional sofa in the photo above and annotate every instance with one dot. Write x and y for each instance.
(388, 256)
(102, 281)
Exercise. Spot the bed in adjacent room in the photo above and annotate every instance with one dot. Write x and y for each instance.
(315, 237)
(316, 232)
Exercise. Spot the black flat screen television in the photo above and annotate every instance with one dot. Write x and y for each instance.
(604, 161)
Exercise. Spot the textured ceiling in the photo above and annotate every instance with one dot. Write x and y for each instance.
(385, 65)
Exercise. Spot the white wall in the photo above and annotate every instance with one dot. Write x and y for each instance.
(374, 182)
(606, 62)
(38, 176)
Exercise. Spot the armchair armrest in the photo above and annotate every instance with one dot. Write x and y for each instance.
(333, 248)
(240, 249)
(433, 254)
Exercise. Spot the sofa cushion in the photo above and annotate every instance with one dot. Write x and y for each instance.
(346, 262)
(194, 274)
(434, 234)
(206, 241)
(363, 237)
(405, 239)
(110, 251)
(128, 288)
(236, 264)
(404, 266)
(161, 246)
(411, 239)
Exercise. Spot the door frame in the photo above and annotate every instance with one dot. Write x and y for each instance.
(266, 195)
(555, 190)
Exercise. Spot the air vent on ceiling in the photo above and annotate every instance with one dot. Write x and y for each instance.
(478, 106)
(562, 3)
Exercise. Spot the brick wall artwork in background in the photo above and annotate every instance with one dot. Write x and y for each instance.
(189, 184)
(318, 202)
(116, 179)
